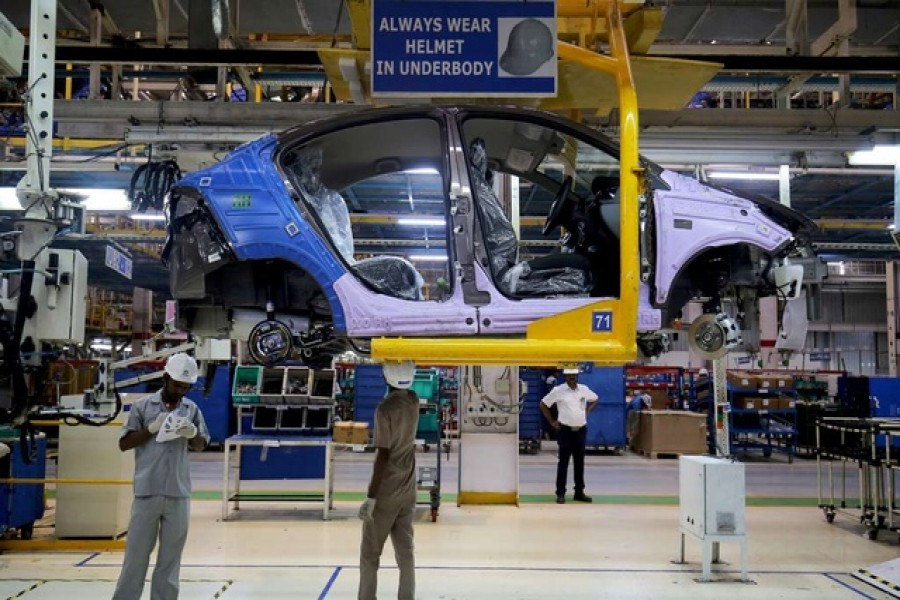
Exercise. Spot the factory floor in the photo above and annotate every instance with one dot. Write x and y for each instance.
(621, 546)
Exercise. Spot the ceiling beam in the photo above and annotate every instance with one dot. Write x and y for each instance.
(304, 17)
(161, 8)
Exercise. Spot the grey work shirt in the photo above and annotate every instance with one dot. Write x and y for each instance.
(396, 421)
(162, 468)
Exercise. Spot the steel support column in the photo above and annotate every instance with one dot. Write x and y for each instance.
(892, 279)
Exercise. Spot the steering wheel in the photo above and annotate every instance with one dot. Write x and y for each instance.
(562, 207)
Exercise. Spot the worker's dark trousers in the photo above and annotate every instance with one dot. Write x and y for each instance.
(571, 443)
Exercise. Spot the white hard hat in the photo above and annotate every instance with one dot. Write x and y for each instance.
(400, 374)
(703, 372)
(182, 368)
(571, 371)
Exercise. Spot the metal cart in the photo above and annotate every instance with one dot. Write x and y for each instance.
(428, 478)
(866, 444)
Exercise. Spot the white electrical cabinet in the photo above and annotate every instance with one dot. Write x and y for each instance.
(93, 511)
(61, 298)
(712, 497)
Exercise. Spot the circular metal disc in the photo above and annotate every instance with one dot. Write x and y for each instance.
(707, 337)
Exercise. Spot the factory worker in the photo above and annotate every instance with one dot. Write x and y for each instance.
(574, 401)
(161, 428)
(390, 503)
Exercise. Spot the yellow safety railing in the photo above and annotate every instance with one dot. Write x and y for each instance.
(570, 336)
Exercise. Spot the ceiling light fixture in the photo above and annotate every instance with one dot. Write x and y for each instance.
(745, 175)
(878, 155)
(421, 222)
(146, 217)
(421, 171)
(428, 257)
(93, 199)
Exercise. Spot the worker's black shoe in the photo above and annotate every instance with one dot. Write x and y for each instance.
(583, 498)
(560, 499)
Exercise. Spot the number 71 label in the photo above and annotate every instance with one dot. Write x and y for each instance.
(602, 320)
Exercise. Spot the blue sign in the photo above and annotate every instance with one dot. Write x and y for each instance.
(602, 320)
(464, 48)
(820, 356)
(743, 360)
(118, 262)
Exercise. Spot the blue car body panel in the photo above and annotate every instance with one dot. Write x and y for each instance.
(255, 212)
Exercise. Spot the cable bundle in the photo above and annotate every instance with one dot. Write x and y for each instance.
(151, 182)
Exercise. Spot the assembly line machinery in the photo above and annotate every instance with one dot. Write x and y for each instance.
(865, 449)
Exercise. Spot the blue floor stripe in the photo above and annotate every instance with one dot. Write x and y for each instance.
(331, 580)
(852, 589)
(89, 558)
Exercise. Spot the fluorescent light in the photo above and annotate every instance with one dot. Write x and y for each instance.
(422, 171)
(92, 199)
(146, 217)
(745, 175)
(879, 155)
(8, 199)
(421, 222)
(428, 257)
(101, 199)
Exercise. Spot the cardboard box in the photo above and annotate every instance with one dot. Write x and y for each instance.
(740, 379)
(670, 432)
(349, 432)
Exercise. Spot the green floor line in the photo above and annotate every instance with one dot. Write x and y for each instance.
(216, 496)
(530, 498)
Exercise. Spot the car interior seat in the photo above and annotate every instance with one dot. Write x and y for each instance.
(389, 275)
(554, 274)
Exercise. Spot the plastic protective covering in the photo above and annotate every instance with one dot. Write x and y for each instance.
(522, 279)
(500, 238)
(390, 275)
(328, 204)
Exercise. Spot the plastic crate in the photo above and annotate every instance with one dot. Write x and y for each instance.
(271, 386)
(426, 384)
(247, 384)
(296, 386)
(321, 386)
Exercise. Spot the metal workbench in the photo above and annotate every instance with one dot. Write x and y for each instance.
(236, 442)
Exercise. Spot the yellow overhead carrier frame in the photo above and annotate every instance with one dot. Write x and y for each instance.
(569, 336)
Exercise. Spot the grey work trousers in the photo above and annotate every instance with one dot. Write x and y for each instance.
(152, 516)
(395, 520)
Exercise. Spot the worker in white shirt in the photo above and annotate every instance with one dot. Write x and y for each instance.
(390, 503)
(574, 402)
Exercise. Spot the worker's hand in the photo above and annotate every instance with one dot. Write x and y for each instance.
(555, 425)
(188, 430)
(367, 510)
(157, 423)
(4, 450)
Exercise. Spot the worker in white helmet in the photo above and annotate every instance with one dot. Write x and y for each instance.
(574, 402)
(390, 502)
(161, 428)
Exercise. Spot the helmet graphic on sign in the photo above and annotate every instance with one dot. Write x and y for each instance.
(530, 45)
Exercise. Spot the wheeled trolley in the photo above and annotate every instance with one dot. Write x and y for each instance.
(428, 477)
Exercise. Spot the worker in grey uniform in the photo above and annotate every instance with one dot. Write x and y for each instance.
(390, 503)
(162, 482)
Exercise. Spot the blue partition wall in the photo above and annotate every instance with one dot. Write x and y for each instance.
(606, 422)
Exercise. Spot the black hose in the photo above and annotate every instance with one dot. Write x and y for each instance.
(151, 182)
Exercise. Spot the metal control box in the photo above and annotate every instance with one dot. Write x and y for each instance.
(711, 496)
